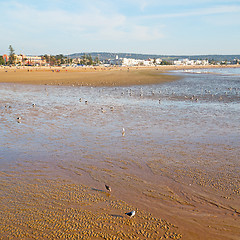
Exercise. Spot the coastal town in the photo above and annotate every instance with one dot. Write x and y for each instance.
(88, 60)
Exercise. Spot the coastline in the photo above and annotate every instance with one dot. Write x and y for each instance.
(95, 76)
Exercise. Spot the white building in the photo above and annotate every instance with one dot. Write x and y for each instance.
(139, 62)
(186, 61)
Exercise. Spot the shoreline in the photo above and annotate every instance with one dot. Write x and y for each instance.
(95, 76)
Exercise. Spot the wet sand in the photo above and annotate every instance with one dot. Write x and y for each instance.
(52, 187)
(67, 199)
(35, 206)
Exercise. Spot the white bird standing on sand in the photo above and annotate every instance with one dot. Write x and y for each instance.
(19, 119)
(123, 132)
(103, 111)
(130, 214)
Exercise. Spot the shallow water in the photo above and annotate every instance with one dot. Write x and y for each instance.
(190, 136)
(196, 108)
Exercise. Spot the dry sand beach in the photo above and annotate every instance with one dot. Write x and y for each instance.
(83, 76)
(56, 159)
(92, 76)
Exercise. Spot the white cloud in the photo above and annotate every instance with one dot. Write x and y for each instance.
(144, 33)
(142, 4)
(198, 12)
(58, 25)
(94, 24)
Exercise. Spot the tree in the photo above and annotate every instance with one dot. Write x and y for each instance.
(46, 57)
(84, 59)
(52, 60)
(11, 55)
(2, 62)
(96, 61)
(24, 61)
(164, 62)
(90, 61)
(60, 59)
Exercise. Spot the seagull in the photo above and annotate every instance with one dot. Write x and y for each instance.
(33, 104)
(130, 214)
(123, 132)
(108, 188)
(19, 119)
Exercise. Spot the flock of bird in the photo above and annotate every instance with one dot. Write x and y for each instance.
(130, 214)
(108, 188)
(130, 92)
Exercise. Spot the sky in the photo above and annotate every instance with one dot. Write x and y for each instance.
(164, 27)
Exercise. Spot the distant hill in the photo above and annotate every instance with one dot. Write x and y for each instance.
(108, 55)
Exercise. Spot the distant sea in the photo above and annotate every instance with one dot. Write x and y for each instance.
(223, 71)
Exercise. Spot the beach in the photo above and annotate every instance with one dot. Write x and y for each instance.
(176, 165)
(93, 76)
(98, 76)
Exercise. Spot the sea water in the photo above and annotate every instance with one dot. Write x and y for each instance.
(200, 108)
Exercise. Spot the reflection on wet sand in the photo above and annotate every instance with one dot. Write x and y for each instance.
(37, 207)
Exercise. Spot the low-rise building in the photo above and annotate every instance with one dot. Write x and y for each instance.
(5, 58)
(186, 61)
(25, 60)
(32, 60)
(139, 62)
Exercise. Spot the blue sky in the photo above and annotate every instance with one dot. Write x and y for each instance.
(181, 27)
